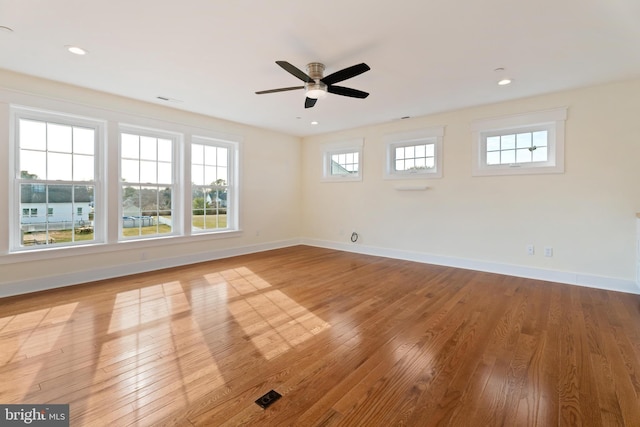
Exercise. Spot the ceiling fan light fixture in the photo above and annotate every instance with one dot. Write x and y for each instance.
(316, 90)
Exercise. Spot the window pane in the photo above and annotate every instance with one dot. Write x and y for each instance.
(430, 150)
(222, 175)
(430, 162)
(410, 163)
(130, 146)
(523, 155)
(197, 154)
(493, 143)
(33, 134)
(508, 142)
(493, 158)
(508, 156)
(540, 138)
(83, 140)
(59, 138)
(165, 153)
(148, 172)
(197, 174)
(59, 166)
(148, 148)
(421, 163)
(400, 165)
(523, 140)
(399, 152)
(540, 154)
(33, 164)
(210, 175)
(410, 152)
(164, 173)
(421, 150)
(130, 171)
(83, 168)
(210, 155)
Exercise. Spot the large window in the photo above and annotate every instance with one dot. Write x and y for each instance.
(147, 183)
(212, 185)
(521, 144)
(416, 154)
(55, 178)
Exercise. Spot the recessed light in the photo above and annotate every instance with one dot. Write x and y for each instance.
(76, 50)
(314, 123)
(4, 29)
(504, 82)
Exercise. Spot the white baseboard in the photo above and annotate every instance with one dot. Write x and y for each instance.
(59, 281)
(571, 278)
(52, 282)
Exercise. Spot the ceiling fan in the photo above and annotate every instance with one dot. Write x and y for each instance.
(317, 86)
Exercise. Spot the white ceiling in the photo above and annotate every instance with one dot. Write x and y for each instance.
(426, 56)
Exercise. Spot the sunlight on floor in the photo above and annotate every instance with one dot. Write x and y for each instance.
(153, 377)
(146, 305)
(274, 322)
(26, 336)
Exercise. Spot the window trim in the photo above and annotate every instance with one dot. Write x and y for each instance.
(433, 135)
(354, 145)
(552, 120)
(19, 112)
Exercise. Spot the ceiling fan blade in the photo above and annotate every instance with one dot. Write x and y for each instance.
(309, 102)
(291, 69)
(347, 91)
(282, 89)
(346, 73)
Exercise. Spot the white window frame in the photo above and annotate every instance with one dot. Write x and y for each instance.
(433, 135)
(344, 147)
(19, 112)
(176, 186)
(553, 121)
(233, 193)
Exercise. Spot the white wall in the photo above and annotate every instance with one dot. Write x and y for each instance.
(587, 214)
(269, 183)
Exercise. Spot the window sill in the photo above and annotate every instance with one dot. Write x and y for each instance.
(99, 248)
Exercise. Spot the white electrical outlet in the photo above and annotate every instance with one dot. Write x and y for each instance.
(531, 250)
(548, 251)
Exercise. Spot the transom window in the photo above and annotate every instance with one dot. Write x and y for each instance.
(211, 198)
(147, 184)
(345, 163)
(522, 147)
(55, 177)
(414, 154)
(410, 158)
(342, 161)
(526, 143)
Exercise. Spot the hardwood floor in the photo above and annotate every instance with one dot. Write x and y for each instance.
(347, 339)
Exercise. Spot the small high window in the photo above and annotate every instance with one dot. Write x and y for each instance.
(416, 154)
(520, 144)
(342, 161)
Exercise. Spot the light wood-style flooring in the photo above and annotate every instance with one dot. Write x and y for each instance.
(347, 339)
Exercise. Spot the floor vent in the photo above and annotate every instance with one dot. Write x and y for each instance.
(265, 401)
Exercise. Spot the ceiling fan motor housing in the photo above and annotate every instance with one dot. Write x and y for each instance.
(316, 89)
